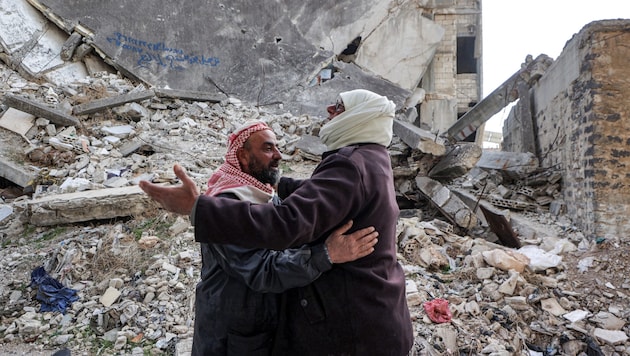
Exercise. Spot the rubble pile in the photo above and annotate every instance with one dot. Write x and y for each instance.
(558, 293)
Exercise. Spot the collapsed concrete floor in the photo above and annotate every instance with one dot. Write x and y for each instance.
(135, 267)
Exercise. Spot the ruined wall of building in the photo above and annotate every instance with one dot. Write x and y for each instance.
(581, 115)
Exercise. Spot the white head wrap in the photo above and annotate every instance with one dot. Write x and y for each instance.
(368, 118)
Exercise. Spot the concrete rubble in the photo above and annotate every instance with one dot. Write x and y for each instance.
(485, 231)
(136, 271)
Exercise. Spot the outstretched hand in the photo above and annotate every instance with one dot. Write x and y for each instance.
(345, 248)
(179, 199)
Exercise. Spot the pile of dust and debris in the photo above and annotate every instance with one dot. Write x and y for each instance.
(134, 277)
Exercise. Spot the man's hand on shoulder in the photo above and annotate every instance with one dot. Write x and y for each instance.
(345, 248)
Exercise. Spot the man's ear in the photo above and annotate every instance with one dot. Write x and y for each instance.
(242, 156)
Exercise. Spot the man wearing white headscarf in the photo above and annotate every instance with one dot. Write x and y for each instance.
(368, 117)
(356, 308)
(236, 305)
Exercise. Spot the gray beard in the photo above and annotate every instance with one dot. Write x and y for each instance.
(266, 176)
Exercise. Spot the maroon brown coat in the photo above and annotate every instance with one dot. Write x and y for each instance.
(357, 308)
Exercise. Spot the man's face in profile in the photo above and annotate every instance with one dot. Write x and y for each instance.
(260, 157)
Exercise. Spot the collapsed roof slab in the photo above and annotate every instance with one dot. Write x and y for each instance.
(506, 93)
(266, 54)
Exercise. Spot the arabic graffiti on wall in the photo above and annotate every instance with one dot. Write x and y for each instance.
(159, 54)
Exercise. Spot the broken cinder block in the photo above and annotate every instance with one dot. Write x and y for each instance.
(447, 202)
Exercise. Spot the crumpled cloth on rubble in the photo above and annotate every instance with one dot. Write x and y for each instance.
(53, 295)
(438, 310)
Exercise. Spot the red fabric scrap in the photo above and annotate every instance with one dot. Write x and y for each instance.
(438, 310)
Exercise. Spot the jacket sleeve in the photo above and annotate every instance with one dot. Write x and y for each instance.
(287, 185)
(272, 271)
(333, 195)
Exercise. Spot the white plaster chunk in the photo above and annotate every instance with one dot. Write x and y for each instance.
(110, 296)
(576, 315)
(506, 260)
(17, 121)
(539, 260)
(46, 53)
(612, 337)
(552, 306)
(66, 74)
(121, 131)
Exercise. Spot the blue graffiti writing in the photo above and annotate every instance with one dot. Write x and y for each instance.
(158, 53)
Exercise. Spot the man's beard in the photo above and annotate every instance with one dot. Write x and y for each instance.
(263, 174)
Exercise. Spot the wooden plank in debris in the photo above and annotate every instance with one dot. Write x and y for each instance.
(419, 139)
(501, 227)
(105, 103)
(88, 205)
(190, 95)
(448, 203)
(40, 110)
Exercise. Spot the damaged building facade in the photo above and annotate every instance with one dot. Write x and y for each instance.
(575, 120)
(288, 56)
(426, 56)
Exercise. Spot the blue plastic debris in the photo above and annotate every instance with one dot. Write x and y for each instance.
(53, 295)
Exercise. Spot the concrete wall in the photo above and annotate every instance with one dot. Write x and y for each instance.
(581, 113)
(441, 82)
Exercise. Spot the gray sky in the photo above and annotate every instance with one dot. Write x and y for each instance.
(512, 30)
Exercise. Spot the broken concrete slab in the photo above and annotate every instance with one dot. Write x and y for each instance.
(473, 202)
(18, 173)
(267, 55)
(40, 110)
(44, 55)
(499, 98)
(448, 203)
(87, 205)
(419, 139)
(513, 164)
(439, 112)
(457, 162)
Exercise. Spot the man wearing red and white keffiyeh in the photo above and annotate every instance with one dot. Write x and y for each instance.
(249, 174)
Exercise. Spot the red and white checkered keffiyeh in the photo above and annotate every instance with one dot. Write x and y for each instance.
(229, 175)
